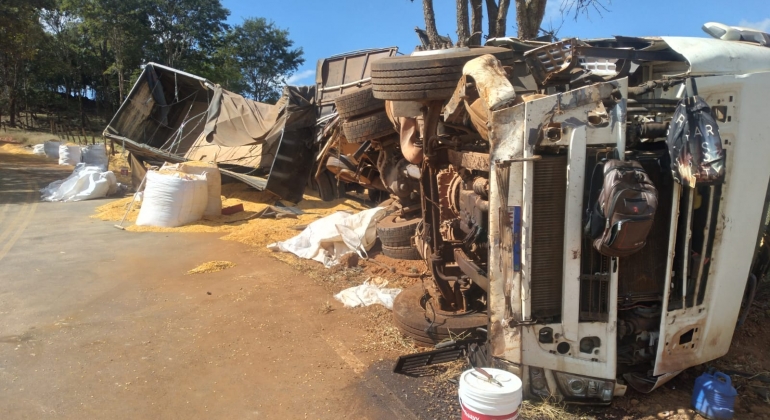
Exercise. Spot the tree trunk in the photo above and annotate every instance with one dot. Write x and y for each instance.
(502, 15)
(12, 109)
(529, 16)
(120, 85)
(463, 34)
(476, 19)
(430, 24)
(492, 11)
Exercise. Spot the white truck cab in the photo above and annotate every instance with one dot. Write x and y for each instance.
(580, 326)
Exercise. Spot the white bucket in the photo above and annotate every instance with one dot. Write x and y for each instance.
(484, 400)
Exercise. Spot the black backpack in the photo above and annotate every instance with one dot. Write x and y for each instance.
(622, 216)
(694, 143)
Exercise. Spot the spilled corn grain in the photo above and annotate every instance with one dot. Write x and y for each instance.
(211, 267)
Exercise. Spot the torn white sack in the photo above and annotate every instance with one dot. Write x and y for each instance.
(322, 241)
(85, 183)
(367, 294)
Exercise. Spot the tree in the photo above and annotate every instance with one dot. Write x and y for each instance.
(123, 27)
(463, 33)
(265, 57)
(497, 15)
(476, 20)
(20, 36)
(430, 23)
(529, 16)
(184, 30)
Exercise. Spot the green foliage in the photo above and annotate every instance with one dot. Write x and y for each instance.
(264, 56)
(61, 54)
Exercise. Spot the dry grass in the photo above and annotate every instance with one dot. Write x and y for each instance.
(381, 334)
(450, 371)
(26, 137)
(545, 410)
(326, 308)
(211, 267)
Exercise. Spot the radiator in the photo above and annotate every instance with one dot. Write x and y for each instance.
(549, 190)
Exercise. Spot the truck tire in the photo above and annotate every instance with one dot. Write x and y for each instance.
(370, 127)
(428, 77)
(326, 186)
(401, 252)
(415, 319)
(360, 102)
(394, 231)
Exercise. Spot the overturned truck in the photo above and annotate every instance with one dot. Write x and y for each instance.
(515, 143)
(174, 116)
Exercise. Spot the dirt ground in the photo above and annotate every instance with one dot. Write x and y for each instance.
(101, 323)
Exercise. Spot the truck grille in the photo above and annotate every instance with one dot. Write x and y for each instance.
(548, 206)
(641, 276)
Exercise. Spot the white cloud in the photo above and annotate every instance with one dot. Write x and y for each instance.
(762, 25)
(303, 75)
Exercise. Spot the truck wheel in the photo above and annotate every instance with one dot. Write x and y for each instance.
(360, 102)
(401, 252)
(414, 317)
(426, 77)
(395, 231)
(370, 127)
(326, 185)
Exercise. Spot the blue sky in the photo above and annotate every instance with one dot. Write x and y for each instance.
(327, 27)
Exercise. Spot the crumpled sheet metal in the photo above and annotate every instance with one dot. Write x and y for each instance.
(491, 81)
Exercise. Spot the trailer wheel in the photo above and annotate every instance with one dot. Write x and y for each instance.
(395, 231)
(414, 316)
(426, 77)
(360, 102)
(370, 127)
(326, 185)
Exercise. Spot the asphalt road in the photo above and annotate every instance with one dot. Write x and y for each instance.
(98, 323)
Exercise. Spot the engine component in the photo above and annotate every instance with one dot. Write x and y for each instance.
(473, 211)
(470, 269)
(449, 185)
(398, 176)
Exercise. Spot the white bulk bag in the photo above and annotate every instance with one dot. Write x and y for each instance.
(213, 179)
(38, 149)
(85, 183)
(51, 148)
(96, 155)
(172, 200)
(69, 155)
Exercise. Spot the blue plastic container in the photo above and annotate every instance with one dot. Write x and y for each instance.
(714, 396)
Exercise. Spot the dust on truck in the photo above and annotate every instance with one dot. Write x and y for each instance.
(506, 192)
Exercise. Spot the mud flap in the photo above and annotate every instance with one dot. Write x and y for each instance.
(291, 165)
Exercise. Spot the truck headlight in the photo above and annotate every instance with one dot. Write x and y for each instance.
(585, 387)
(537, 383)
